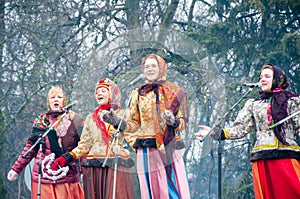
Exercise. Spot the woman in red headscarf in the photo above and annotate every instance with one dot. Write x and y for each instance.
(62, 137)
(275, 156)
(96, 140)
(157, 114)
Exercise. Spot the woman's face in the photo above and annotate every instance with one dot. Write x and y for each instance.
(56, 101)
(266, 79)
(102, 96)
(151, 69)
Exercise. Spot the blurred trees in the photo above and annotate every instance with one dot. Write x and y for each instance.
(211, 44)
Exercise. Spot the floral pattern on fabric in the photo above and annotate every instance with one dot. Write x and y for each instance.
(254, 116)
(277, 98)
(147, 105)
(93, 142)
(41, 122)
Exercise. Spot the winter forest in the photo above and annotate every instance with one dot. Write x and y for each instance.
(211, 47)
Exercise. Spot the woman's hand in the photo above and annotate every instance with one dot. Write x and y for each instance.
(111, 118)
(170, 119)
(204, 130)
(215, 133)
(12, 175)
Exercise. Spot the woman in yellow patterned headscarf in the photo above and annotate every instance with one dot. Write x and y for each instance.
(157, 114)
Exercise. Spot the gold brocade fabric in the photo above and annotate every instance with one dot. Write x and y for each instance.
(93, 144)
(145, 112)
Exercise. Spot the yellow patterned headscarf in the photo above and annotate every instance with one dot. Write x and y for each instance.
(163, 69)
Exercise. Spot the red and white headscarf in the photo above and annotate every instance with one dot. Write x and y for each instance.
(113, 103)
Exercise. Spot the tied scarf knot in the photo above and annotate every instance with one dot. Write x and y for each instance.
(146, 88)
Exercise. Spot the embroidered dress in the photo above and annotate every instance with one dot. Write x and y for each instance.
(275, 156)
(63, 138)
(271, 159)
(160, 165)
(95, 141)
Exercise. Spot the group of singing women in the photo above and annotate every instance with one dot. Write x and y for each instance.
(152, 123)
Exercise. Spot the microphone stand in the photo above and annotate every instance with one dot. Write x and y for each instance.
(220, 148)
(283, 120)
(116, 137)
(40, 141)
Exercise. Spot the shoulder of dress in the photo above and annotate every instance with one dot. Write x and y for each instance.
(250, 101)
(135, 91)
(134, 94)
(295, 99)
(89, 115)
(41, 115)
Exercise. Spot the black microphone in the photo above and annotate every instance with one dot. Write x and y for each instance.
(252, 85)
(141, 76)
(66, 108)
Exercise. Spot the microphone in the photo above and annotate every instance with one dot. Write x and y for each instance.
(66, 108)
(252, 85)
(141, 76)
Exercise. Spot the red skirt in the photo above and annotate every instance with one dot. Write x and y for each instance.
(276, 179)
(98, 183)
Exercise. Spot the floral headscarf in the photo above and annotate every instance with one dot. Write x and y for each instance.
(278, 97)
(163, 70)
(169, 96)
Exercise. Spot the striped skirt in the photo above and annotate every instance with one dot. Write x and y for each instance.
(161, 180)
(276, 179)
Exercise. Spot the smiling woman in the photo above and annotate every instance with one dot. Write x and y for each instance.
(96, 138)
(157, 115)
(275, 155)
(266, 78)
(152, 69)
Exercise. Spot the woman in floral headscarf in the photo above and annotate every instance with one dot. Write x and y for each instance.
(62, 137)
(157, 114)
(276, 155)
(96, 140)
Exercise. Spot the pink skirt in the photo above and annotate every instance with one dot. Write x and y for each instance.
(276, 179)
(158, 180)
